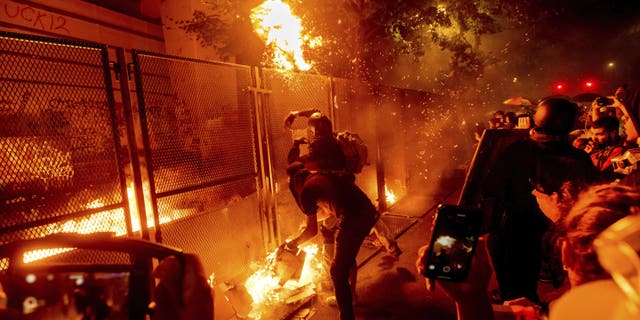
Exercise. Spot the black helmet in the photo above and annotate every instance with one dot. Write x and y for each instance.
(555, 116)
(321, 124)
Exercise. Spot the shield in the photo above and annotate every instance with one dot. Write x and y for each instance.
(585, 97)
(518, 101)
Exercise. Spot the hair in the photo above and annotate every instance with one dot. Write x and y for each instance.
(607, 122)
(596, 209)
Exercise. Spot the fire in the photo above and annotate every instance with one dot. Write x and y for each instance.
(389, 196)
(96, 223)
(283, 32)
(264, 285)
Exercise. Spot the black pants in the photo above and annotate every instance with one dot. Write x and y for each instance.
(351, 234)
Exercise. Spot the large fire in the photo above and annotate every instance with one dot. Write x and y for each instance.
(283, 33)
(265, 288)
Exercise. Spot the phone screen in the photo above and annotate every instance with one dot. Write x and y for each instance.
(454, 238)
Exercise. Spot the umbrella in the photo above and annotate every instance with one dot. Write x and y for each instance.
(518, 101)
(586, 97)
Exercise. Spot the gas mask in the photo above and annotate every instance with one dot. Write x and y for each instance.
(617, 248)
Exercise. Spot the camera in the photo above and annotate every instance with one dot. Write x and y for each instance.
(604, 101)
(628, 162)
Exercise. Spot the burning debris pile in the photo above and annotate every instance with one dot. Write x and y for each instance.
(279, 287)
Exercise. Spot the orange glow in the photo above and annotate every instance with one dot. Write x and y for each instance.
(106, 221)
(265, 290)
(389, 196)
(282, 31)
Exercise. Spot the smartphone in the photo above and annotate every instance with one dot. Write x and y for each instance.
(453, 241)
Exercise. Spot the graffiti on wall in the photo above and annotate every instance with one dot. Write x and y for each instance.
(35, 18)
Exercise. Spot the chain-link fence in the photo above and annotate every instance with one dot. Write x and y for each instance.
(212, 152)
(60, 160)
(197, 124)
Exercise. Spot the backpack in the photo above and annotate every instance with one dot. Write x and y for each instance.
(354, 150)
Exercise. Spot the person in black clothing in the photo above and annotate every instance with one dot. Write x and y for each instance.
(517, 226)
(319, 196)
(322, 188)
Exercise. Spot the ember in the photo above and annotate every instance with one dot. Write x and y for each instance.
(283, 32)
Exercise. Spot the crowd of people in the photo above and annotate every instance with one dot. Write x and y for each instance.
(550, 196)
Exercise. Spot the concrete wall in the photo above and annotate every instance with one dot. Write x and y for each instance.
(79, 20)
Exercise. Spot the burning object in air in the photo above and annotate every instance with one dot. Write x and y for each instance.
(283, 33)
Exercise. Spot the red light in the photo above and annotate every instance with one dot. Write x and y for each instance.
(559, 87)
(589, 85)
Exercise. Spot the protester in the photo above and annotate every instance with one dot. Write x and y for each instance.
(326, 155)
(518, 225)
(596, 209)
(322, 190)
(607, 144)
(320, 196)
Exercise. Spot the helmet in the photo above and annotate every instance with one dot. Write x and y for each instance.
(555, 116)
(320, 125)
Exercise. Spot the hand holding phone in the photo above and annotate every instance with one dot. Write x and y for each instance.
(471, 296)
(453, 241)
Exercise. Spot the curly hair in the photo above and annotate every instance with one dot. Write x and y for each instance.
(596, 209)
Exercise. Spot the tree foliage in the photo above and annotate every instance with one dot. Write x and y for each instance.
(364, 38)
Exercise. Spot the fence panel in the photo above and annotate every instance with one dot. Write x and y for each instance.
(198, 131)
(60, 159)
(289, 92)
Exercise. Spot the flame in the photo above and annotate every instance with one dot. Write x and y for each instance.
(283, 32)
(264, 288)
(389, 196)
(97, 223)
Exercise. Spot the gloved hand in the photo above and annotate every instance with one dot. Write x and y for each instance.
(288, 121)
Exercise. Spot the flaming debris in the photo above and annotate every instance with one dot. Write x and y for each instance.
(264, 285)
(282, 31)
